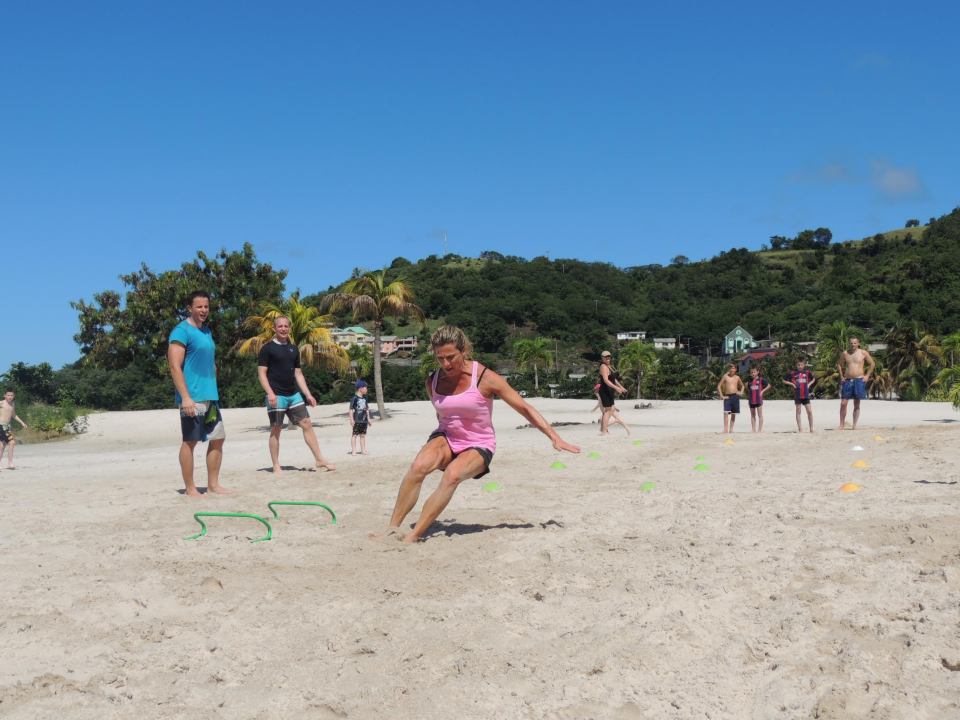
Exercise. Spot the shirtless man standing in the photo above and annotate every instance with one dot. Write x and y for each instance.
(730, 388)
(8, 413)
(853, 381)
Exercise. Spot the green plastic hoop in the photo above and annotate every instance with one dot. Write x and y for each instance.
(203, 525)
(276, 516)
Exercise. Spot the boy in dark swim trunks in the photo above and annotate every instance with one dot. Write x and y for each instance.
(730, 388)
(756, 389)
(802, 380)
(8, 413)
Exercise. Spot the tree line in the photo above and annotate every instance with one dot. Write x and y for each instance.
(903, 289)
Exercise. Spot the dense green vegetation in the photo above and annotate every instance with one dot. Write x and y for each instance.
(901, 287)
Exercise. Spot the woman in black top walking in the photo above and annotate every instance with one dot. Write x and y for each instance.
(610, 387)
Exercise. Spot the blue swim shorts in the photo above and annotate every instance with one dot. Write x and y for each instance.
(294, 407)
(853, 389)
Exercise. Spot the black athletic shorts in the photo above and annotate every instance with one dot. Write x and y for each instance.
(484, 452)
(360, 428)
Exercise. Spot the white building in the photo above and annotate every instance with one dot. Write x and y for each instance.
(665, 343)
(631, 335)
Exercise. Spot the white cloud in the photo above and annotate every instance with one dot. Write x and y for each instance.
(895, 183)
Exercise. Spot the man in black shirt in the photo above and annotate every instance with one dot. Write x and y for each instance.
(283, 381)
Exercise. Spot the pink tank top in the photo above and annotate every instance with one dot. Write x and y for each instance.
(465, 418)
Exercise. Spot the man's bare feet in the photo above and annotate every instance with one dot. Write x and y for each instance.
(328, 466)
(193, 493)
(220, 490)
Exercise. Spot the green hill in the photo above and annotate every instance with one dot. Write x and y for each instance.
(874, 283)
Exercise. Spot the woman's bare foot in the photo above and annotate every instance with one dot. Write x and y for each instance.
(277, 470)
(326, 465)
(220, 490)
(394, 533)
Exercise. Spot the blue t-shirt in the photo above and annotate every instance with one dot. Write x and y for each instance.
(199, 369)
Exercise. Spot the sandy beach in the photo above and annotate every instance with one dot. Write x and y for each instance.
(752, 588)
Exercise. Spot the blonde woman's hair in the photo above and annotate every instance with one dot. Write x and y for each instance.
(451, 335)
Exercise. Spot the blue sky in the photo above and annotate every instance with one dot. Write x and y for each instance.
(338, 135)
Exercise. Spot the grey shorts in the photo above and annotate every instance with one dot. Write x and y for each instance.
(207, 424)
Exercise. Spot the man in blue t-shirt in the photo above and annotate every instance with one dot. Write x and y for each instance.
(191, 355)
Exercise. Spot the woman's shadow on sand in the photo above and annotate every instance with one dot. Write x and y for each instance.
(452, 527)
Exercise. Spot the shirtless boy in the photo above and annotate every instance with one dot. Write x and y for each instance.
(730, 388)
(853, 381)
(8, 413)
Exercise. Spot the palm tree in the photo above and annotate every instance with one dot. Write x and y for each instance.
(710, 376)
(371, 297)
(532, 353)
(636, 358)
(949, 380)
(913, 355)
(951, 347)
(308, 331)
(361, 359)
(881, 381)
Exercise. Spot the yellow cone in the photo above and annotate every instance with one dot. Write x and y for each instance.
(728, 441)
(849, 487)
(861, 464)
(878, 438)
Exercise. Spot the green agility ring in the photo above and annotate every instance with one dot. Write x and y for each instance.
(203, 526)
(276, 516)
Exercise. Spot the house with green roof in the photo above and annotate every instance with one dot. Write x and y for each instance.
(356, 335)
(737, 341)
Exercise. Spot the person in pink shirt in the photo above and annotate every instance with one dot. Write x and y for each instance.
(462, 393)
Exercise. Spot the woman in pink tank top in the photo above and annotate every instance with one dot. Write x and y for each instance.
(462, 393)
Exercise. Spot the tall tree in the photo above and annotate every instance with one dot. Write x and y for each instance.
(361, 359)
(308, 331)
(533, 353)
(913, 355)
(949, 380)
(636, 358)
(369, 296)
(950, 345)
(129, 331)
(881, 380)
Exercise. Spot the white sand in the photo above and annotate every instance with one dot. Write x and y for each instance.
(753, 590)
